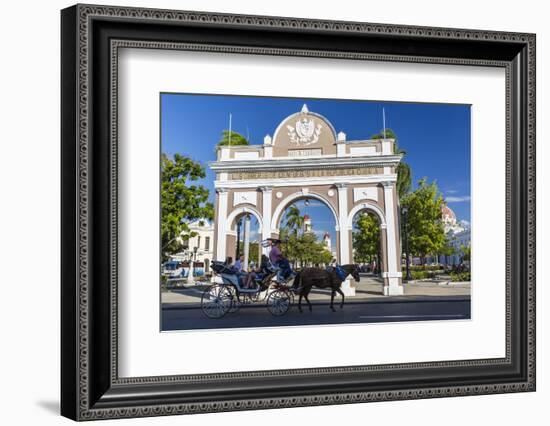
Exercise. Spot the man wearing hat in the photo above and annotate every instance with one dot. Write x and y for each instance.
(277, 259)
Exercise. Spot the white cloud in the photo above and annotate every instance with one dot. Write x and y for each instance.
(457, 199)
(451, 191)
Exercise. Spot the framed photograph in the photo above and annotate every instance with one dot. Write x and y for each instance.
(263, 212)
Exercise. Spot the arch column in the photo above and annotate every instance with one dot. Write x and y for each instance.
(221, 230)
(344, 235)
(267, 193)
(343, 223)
(392, 274)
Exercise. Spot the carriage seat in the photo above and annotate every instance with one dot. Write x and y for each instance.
(220, 267)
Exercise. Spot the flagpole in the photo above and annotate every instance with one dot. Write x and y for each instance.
(229, 129)
(384, 121)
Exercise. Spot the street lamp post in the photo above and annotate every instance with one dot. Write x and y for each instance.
(191, 273)
(405, 212)
(237, 250)
(246, 241)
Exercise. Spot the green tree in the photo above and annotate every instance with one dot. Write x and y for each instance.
(466, 252)
(304, 249)
(404, 179)
(403, 170)
(235, 139)
(308, 251)
(390, 134)
(182, 201)
(294, 221)
(253, 251)
(366, 238)
(448, 249)
(426, 233)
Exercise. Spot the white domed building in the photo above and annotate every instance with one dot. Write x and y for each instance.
(450, 224)
(457, 234)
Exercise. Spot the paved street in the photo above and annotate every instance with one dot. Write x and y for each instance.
(423, 301)
(180, 317)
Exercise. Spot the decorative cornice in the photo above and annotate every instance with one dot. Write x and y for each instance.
(305, 163)
(277, 183)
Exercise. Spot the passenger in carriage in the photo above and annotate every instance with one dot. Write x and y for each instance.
(234, 268)
(257, 273)
(251, 275)
(238, 266)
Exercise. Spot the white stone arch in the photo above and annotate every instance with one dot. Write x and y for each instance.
(283, 204)
(367, 206)
(243, 210)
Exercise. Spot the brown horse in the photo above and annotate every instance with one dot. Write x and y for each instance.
(322, 278)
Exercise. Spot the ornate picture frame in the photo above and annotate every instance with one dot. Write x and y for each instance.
(91, 386)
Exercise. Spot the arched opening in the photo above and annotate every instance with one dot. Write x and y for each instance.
(244, 238)
(367, 240)
(307, 228)
(293, 198)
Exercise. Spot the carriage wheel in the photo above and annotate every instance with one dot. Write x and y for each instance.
(216, 301)
(278, 302)
(236, 302)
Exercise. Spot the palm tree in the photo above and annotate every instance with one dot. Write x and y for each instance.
(236, 139)
(404, 179)
(294, 221)
(403, 170)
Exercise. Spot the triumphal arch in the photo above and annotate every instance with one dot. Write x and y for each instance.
(306, 158)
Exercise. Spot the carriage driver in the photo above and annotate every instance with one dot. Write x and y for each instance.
(277, 259)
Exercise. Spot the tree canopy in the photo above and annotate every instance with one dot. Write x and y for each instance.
(182, 201)
(304, 249)
(294, 221)
(232, 138)
(425, 229)
(390, 134)
(253, 251)
(466, 252)
(403, 170)
(366, 238)
(301, 247)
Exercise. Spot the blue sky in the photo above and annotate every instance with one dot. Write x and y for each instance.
(436, 137)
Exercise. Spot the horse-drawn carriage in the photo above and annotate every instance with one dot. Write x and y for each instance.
(229, 295)
(271, 288)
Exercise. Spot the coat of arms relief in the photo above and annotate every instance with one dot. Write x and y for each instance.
(305, 132)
